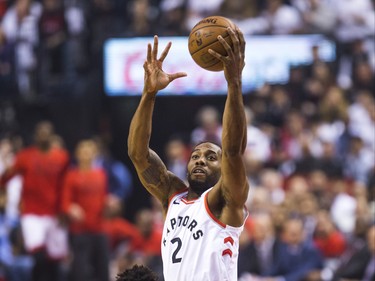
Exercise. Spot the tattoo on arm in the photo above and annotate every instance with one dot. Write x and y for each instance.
(151, 175)
(155, 173)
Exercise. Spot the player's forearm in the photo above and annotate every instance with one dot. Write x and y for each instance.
(234, 121)
(140, 128)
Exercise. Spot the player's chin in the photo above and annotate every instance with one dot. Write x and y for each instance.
(198, 178)
(198, 184)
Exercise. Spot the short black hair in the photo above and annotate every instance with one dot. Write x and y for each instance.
(207, 141)
(137, 273)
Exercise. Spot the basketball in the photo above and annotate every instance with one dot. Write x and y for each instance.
(203, 37)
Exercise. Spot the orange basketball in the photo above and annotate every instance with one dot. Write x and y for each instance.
(204, 35)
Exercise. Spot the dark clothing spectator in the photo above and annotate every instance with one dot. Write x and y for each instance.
(258, 259)
(295, 262)
(353, 263)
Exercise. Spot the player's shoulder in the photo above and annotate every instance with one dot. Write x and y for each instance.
(27, 151)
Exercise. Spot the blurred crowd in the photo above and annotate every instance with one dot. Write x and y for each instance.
(52, 45)
(310, 156)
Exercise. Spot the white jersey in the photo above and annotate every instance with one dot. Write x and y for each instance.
(195, 245)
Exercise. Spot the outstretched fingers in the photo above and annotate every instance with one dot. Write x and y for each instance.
(152, 53)
(155, 49)
(165, 52)
(149, 50)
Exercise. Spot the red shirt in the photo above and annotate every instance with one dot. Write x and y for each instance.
(42, 174)
(151, 244)
(331, 246)
(119, 229)
(88, 189)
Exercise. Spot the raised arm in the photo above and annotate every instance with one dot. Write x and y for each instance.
(151, 170)
(233, 185)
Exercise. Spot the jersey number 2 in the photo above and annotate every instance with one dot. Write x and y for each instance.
(175, 259)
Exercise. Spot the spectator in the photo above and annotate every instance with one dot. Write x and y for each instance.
(333, 110)
(177, 155)
(327, 238)
(19, 27)
(209, 126)
(258, 144)
(297, 188)
(151, 235)
(297, 258)
(8, 73)
(143, 18)
(197, 10)
(329, 162)
(42, 168)
(15, 264)
(238, 10)
(282, 18)
(362, 118)
(362, 77)
(272, 181)
(278, 107)
(318, 16)
(135, 243)
(120, 180)
(359, 262)
(259, 201)
(307, 208)
(354, 22)
(14, 186)
(293, 127)
(319, 183)
(84, 196)
(276, 18)
(258, 256)
(53, 33)
(319, 81)
(359, 161)
(125, 242)
(343, 208)
(172, 12)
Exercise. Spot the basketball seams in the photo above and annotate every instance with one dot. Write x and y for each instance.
(214, 25)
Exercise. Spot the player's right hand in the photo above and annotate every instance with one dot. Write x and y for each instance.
(76, 213)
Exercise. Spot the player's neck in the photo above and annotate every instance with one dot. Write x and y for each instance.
(44, 147)
(192, 195)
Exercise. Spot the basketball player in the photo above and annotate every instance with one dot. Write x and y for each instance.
(204, 218)
(42, 167)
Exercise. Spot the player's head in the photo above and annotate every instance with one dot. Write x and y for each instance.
(86, 151)
(204, 166)
(43, 133)
(137, 273)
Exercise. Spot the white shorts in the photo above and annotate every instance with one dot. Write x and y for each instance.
(44, 232)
